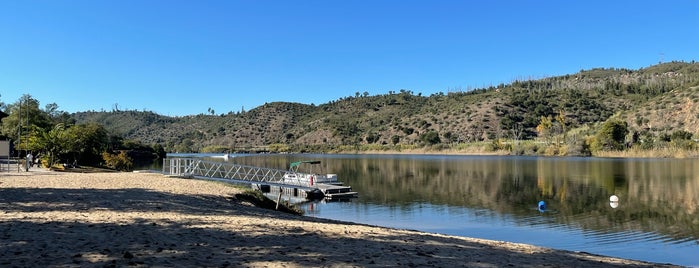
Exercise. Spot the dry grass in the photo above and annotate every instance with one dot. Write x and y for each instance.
(655, 153)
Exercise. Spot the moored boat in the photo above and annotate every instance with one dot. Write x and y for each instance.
(309, 177)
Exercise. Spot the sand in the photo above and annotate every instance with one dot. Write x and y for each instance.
(56, 219)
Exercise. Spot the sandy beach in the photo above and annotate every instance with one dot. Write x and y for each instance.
(57, 219)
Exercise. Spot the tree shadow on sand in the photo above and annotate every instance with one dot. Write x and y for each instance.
(145, 242)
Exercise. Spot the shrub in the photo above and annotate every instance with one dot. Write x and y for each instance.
(681, 135)
(431, 138)
(279, 148)
(684, 144)
(527, 148)
(551, 150)
(611, 136)
(497, 145)
(120, 161)
(215, 149)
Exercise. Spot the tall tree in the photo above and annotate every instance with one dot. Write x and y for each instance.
(544, 127)
(25, 113)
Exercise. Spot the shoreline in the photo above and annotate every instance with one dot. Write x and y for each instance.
(607, 154)
(147, 219)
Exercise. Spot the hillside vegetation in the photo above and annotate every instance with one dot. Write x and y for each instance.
(654, 107)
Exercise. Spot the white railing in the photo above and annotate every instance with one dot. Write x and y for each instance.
(194, 167)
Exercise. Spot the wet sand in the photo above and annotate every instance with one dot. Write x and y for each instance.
(56, 219)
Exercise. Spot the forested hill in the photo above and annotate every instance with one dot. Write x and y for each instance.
(655, 102)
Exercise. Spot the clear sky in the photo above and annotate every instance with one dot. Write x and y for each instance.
(183, 57)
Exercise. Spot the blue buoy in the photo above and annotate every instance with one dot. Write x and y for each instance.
(542, 206)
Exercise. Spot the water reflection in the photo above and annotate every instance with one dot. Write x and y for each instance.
(659, 196)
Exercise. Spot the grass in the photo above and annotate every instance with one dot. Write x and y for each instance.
(653, 153)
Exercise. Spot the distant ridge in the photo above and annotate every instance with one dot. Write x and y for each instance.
(657, 99)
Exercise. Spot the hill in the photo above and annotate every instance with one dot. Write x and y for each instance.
(654, 101)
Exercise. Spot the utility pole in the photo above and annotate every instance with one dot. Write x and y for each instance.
(26, 109)
(19, 133)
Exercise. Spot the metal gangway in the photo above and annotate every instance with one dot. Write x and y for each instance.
(203, 169)
(255, 176)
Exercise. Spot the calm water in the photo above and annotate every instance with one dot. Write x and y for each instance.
(656, 218)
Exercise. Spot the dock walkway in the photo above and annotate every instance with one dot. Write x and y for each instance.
(264, 179)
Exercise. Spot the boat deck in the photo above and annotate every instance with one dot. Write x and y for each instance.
(332, 191)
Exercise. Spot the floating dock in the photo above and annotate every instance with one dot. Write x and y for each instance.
(267, 180)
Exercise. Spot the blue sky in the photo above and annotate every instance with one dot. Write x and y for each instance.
(183, 57)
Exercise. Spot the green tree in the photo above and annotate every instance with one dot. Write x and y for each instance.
(681, 135)
(160, 151)
(53, 142)
(395, 139)
(87, 142)
(611, 135)
(431, 137)
(25, 113)
(372, 138)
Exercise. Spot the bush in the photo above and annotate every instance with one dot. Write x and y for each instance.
(684, 144)
(497, 145)
(279, 148)
(611, 136)
(121, 161)
(431, 137)
(551, 150)
(215, 149)
(526, 148)
(681, 135)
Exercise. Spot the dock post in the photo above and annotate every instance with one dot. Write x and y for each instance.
(279, 198)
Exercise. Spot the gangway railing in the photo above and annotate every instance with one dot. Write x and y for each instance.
(199, 168)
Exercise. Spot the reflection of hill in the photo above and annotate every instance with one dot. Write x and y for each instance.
(656, 195)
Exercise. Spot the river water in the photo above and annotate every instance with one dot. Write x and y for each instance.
(496, 197)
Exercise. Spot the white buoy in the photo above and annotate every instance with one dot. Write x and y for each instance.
(614, 201)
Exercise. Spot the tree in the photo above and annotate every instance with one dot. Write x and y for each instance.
(395, 139)
(517, 130)
(120, 161)
(431, 137)
(681, 135)
(159, 150)
(53, 142)
(26, 110)
(52, 109)
(612, 135)
(544, 127)
(561, 119)
(372, 137)
(87, 142)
